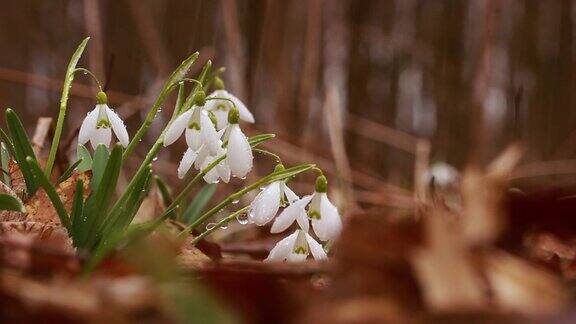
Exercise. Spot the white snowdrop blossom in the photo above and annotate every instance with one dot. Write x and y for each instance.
(239, 152)
(220, 172)
(325, 217)
(220, 102)
(295, 248)
(99, 123)
(199, 130)
(267, 203)
(295, 212)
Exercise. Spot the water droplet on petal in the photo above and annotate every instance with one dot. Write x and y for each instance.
(242, 219)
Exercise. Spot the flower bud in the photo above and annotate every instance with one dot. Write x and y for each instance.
(233, 116)
(279, 167)
(199, 98)
(101, 98)
(321, 184)
(219, 84)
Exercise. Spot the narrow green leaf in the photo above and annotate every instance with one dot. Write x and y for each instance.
(99, 164)
(8, 202)
(68, 172)
(50, 191)
(77, 209)
(174, 78)
(4, 161)
(8, 141)
(200, 201)
(22, 149)
(98, 202)
(69, 77)
(164, 191)
(83, 154)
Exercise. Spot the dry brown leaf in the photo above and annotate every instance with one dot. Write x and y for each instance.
(16, 179)
(39, 206)
(445, 268)
(522, 287)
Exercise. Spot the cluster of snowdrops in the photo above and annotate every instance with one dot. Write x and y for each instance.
(212, 129)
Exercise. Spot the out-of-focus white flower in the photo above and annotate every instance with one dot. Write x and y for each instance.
(325, 217)
(239, 152)
(444, 175)
(295, 212)
(266, 204)
(296, 247)
(221, 107)
(99, 123)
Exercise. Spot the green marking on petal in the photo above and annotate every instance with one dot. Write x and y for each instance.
(314, 214)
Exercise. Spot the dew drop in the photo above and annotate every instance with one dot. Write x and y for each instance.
(235, 202)
(224, 226)
(242, 219)
(210, 226)
(155, 158)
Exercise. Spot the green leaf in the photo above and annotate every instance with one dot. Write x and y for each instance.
(8, 141)
(99, 165)
(174, 78)
(8, 202)
(4, 161)
(77, 209)
(83, 154)
(197, 205)
(68, 172)
(50, 191)
(98, 202)
(22, 150)
(63, 104)
(164, 191)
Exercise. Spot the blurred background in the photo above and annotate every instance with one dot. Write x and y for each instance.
(365, 88)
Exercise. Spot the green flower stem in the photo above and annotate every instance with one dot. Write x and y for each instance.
(63, 106)
(274, 176)
(86, 71)
(221, 223)
(173, 80)
(265, 152)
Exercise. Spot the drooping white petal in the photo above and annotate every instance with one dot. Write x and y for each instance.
(316, 248)
(203, 153)
(177, 127)
(101, 136)
(245, 114)
(193, 138)
(265, 205)
(329, 225)
(211, 176)
(223, 171)
(118, 127)
(290, 214)
(209, 134)
(290, 195)
(88, 126)
(186, 162)
(300, 249)
(283, 248)
(221, 118)
(303, 220)
(239, 156)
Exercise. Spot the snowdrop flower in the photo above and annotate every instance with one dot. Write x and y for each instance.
(220, 171)
(99, 123)
(266, 204)
(221, 107)
(200, 129)
(325, 218)
(239, 157)
(296, 247)
(295, 212)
